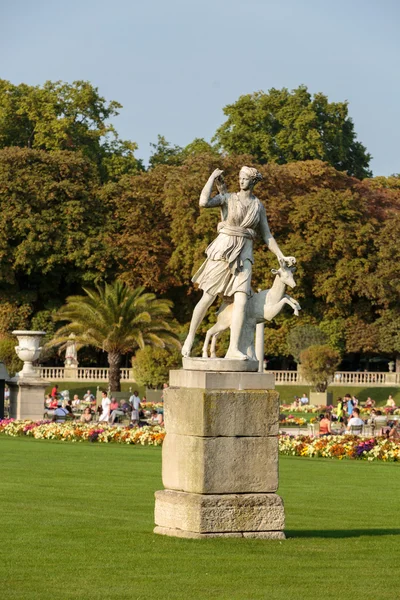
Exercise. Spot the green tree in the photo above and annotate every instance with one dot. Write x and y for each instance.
(302, 337)
(282, 126)
(63, 116)
(8, 355)
(117, 320)
(53, 227)
(151, 365)
(319, 363)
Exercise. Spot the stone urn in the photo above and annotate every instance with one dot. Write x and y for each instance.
(28, 350)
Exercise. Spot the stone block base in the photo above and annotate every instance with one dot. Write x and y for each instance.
(27, 398)
(238, 515)
(220, 465)
(261, 535)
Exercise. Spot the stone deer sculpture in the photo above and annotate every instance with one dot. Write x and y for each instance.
(262, 306)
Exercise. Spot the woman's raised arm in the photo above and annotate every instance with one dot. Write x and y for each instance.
(205, 197)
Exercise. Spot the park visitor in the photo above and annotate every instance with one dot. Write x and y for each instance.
(86, 416)
(134, 401)
(60, 413)
(54, 392)
(304, 400)
(105, 408)
(116, 412)
(325, 425)
(339, 410)
(76, 401)
(88, 397)
(349, 404)
(355, 420)
(390, 402)
(369, 403)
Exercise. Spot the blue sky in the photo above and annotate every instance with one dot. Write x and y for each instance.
(175, 64)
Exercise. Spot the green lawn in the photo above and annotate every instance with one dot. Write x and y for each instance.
(77, 519)
(379, 394)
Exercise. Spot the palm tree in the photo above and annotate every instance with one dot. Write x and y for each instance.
(118, 320)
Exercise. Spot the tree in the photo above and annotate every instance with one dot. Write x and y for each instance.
(282, 127)
(63, 116)
(117, 320)
(165, 153)
(319, 364)
(8, 355)
(151, 365)
(53, 227)
(302, 337)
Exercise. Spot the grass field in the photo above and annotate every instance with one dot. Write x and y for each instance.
(76, 523)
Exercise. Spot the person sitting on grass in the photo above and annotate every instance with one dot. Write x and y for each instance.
(369, 403)
(76, 401)
(325, 425)
(86, 416)
(355, 420)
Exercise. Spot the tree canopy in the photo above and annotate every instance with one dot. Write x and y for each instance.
(63, 116)
(282, 126)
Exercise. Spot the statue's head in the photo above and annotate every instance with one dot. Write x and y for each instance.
(248, 177)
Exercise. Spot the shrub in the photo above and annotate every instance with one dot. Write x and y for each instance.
(319, 364)
(151, 365)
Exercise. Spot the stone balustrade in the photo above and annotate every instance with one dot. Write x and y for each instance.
(100, 374)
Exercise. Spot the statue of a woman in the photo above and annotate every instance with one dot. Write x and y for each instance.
(228, 267)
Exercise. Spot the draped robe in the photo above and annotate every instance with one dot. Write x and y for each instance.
(228, 266)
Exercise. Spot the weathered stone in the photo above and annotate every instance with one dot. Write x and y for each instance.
(265, 535)
(220, 465)
(219, 513)
(221, 413)
(214, 380)
(27, 398)
(174, 532)
(261, 535)
(219, 364)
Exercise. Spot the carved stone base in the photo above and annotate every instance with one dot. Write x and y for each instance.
(220, 364)
(206, 515)
(27, 397)
(260, 535)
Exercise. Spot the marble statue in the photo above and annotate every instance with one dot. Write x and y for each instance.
(227, 269)
(71, 354)
(262, 306)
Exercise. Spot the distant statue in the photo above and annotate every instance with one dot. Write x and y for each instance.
(71, 353)
(228, 268)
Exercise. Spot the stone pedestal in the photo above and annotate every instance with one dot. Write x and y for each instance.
(220, 457)
(27, 397)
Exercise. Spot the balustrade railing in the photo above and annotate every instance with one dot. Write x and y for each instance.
(100, 374)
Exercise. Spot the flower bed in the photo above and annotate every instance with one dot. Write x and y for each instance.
(340, 446)
(336, 446)
(291, 421)
(83, 432)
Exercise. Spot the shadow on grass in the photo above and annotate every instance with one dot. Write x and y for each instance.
(339, 533)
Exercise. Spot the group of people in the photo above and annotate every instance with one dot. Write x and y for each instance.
(109, 411)
(348, 416)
